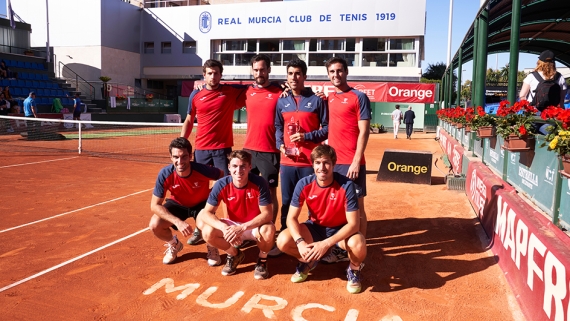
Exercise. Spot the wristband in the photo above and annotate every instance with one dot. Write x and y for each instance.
(299, 240)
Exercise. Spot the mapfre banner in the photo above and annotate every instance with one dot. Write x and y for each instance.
(376, 91)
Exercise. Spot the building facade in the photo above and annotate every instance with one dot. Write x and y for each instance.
(381, 40)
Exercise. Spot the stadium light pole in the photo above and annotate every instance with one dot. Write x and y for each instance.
(47, 28)
(449, 33)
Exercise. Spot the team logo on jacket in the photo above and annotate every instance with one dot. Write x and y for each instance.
(231, 198)
(269, 96)
(333, 197)
(287, 105)
(196, 185)
(345, 101)
(249, 195)
(308, 105)
(253, 94)
(312, 197)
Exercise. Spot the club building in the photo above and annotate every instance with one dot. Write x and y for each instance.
(161, 45)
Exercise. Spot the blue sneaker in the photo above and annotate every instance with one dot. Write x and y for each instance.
(302, 271)
(354, 279)
(336, 255)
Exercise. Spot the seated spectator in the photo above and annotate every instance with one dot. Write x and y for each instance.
(4, 112)
(13, 103)
(4, 71)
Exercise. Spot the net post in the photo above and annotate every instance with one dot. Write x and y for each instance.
(79, 147)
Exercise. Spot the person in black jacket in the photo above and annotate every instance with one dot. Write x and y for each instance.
(409, 116)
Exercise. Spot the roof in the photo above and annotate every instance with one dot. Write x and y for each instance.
(545, 24)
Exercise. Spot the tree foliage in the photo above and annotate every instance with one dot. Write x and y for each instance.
(435, 71)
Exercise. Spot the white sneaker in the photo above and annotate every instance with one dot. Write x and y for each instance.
(172, 251)
(213, 256)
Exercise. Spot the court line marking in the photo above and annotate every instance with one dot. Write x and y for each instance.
(46, 161)
(77, 210)
(71, 261)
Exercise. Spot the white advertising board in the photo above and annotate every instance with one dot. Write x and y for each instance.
(295, 19)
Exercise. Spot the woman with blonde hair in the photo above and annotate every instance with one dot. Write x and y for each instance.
(545, 71)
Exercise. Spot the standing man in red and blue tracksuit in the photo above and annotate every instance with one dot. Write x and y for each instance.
(301, 123)
(214, 107)
(350, 113)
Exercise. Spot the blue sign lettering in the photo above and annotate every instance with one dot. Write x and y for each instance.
(264, 20)
(386, 16)
(325, 18)
(353, 17)
(300, 18)
(229, 21)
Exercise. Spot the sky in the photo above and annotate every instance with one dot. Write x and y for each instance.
(464, 11)
(437, 19)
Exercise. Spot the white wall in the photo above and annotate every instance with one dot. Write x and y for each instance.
(122, 66)
(71, 22)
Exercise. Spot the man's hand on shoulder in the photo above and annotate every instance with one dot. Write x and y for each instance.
(321, 95)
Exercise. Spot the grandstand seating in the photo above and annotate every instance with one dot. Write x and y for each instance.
(32, 76)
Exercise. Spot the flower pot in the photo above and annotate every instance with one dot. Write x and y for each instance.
(376, 130)
(467, 129)
(566, 164)
(514, 143)
(486, 132)
(459, 125)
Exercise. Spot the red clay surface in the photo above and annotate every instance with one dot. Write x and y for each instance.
(426, 260)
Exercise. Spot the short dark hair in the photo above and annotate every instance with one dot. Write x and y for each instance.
(241, 155)
(32, 94)
(261, 57)
(336, 60)
(397, 106)
(180, 143)
(323, 150)
(298, 63)
(211, 63)
(77, 94)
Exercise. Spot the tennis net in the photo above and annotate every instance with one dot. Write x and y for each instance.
(147, 142)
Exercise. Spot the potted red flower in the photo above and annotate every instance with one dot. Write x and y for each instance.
(515, 125)
(558, 138)
(483, 123)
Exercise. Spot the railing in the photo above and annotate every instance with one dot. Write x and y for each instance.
(534, 173)
(76, 81)
(118, 89)
(170, 3)
(23, 51)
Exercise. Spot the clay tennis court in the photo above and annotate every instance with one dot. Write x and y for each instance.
(74, 245)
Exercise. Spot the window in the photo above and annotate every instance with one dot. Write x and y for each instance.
(351, 44)
(269, 45)
(148, 47)
(243, 59)
(154, 84)
(331, 44)
(252, 45)
(189, 47)
(234, 45)
(402, 44)
(374, 60)
(319, 59)
(293, 45)
(166, 47)
(373, 44)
